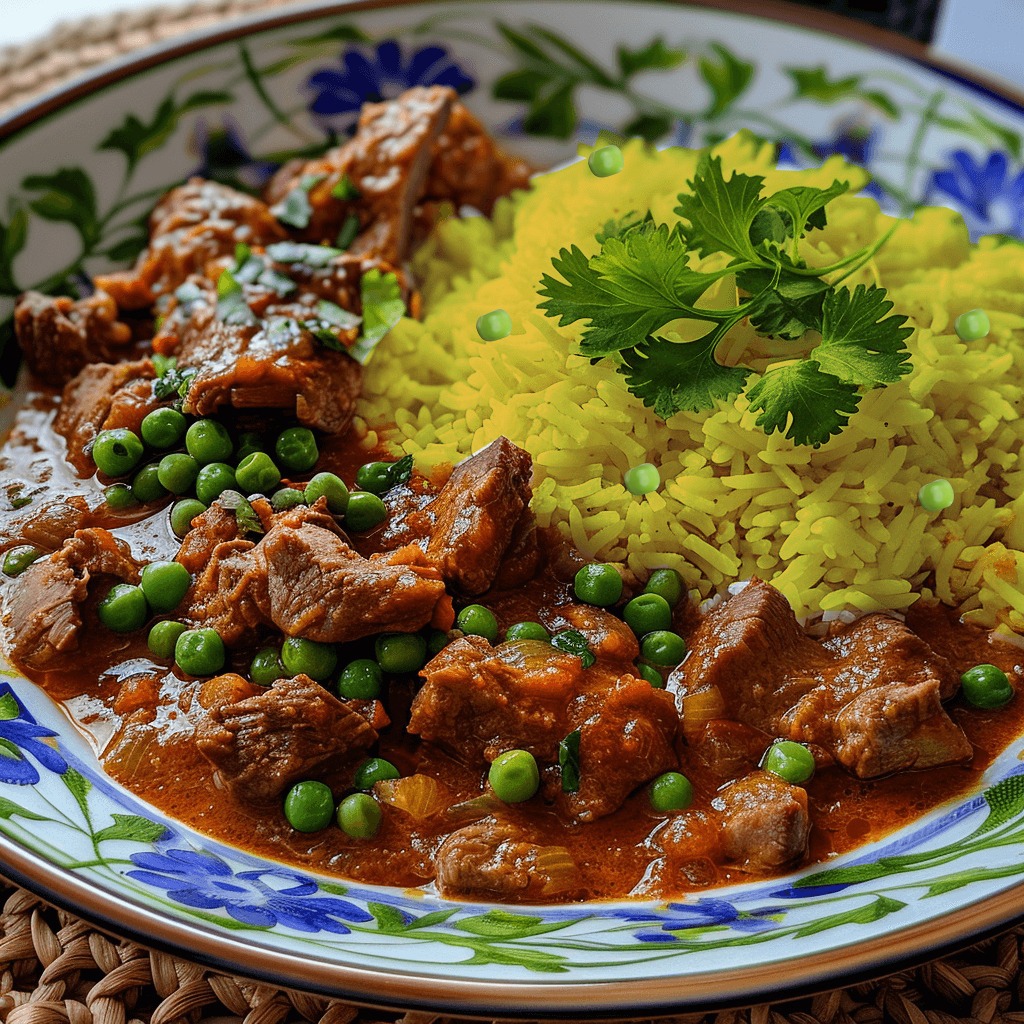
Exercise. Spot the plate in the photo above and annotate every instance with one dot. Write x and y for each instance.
(78, 171)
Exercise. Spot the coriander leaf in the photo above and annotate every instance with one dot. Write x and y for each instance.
(619, 227)
(383, 307)
(569, 761)
(721, 212)
(348, 231)
(231, 305)
(245, 515)
(315, 256)
(346, 190)
(806, 204)
(162, 363)
(172, 382)
(726, 76)
(814, 84)
(295, 209)
(399, 472)
(673, 376)
(770, 227)
(572, 641)
(329, 321)
(655, 56)
(859, 343)
(802, 400)
(787, 309)
(629, 290)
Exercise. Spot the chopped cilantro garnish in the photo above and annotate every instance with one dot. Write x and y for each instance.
(383, 307)
(569, 761)
(315, 256)
(170, 381)
(645, 277)
(348, 232)
(231, 305)
(572, 641)
(399, 472)
(346, 190)
(295, 209)
(245, 515)
(331, 319)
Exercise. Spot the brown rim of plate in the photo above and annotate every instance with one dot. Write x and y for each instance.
(388, 989)
(771, 10)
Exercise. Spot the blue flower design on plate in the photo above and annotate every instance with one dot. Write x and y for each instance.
(260, 898)
(988, 193)
(364, 75)
(21, 735)
(705, 912)
(853, 139)
(225, 157)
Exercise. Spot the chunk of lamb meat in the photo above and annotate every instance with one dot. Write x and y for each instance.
(477, 514)
(870, 696)
(41, 610)
(275, 364)
(192, 226)
(101, 397)
(59, 336)
(764, 822)
(386, 161)
(478, 701)
(497, 860)
(320, 588)
(263, 744)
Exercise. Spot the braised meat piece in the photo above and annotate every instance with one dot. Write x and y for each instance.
(476, 515)
(59, 335)
(263, 744)
(626, 739)
(384, 165)
(48, 526)
(100, 397)
(320, 588)
(276, 364)
(41, 611)
(609, 639)
(193, 225)
(764, 822)
(870, 695)
(478, 701)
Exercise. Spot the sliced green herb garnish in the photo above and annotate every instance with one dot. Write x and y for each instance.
(572, 641)
(569, 761)
(346, 190)
(383, 307)
(315, 256)
(331, 319)
(231, 305)
(295, 209)
(348, 232)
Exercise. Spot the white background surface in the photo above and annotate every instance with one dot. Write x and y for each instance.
(986, 33)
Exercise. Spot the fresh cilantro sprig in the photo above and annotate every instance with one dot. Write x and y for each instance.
(647, 275)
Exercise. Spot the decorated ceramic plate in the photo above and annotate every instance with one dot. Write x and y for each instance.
(81, 171)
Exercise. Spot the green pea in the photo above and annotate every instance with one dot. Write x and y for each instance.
(642, 479)
(399, 653)
(287, 497)
(248, 443)
(790, 761)
(936, 495)
(652, 675)
(208, 441)
(599, 584)
(177, 473)
(296, 449)
(124, 609)
(646, 613)
(972, 325)
(605, 161)
(200, 652)
(17, 560)
(146, 486)
(165, 584)
(361, 679)
(514, 776)
(476, 620)
(265, 667)
(437, 641)
(494, 326)
(527, 631)
(257, 474)
(117, 452)
(374, 477)
(331, 487)
(364, 512)
(213, 480)
(667, 583)
(663, 647)
(359, 816)
(374, 769)
(671, 792)
(308, 657)
(182, 514)
(163, 637)
(163, 428)
(309, 806)
(119, 497)
(986, 686)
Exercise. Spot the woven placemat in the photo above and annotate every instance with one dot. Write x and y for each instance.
(58, 969)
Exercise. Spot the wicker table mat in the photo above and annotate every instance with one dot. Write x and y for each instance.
(57, 969)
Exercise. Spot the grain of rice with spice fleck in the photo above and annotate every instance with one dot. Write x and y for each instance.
(836, 528)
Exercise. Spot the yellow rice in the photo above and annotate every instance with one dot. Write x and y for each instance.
(837, 528)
